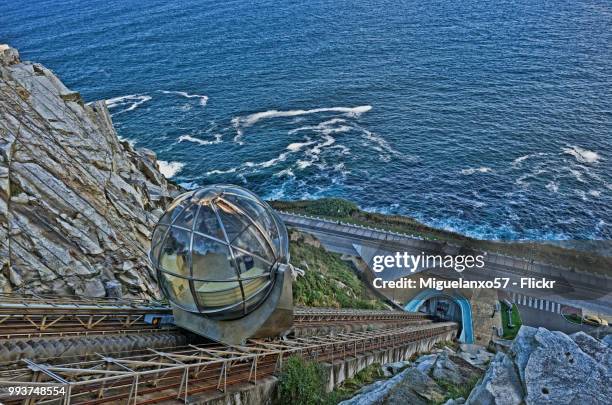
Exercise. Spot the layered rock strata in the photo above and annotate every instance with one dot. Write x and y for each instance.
(77, 205)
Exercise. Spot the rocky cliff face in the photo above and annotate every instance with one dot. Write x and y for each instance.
(77, 205)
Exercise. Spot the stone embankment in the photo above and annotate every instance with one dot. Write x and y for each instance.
(77, 205)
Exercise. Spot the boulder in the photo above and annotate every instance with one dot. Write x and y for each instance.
(499, 386)
(415, 388)
(555, 370)
(476, 355)
(445, 369)
(394, 368)
(426, 362)
(597, 349)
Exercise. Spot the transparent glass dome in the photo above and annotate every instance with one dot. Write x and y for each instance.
(216, 250)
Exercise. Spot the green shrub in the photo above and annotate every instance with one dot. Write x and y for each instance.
(510, 333)
(302, 382)
(329, 207)
(454, 391)
(328, 281)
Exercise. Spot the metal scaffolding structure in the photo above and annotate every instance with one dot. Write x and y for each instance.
(178, 373)
(28, 316)
(31, 316)
(33, 303)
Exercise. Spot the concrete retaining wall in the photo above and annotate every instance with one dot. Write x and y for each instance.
(265, 391)
(346, 368)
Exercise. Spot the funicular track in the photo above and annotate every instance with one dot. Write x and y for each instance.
(36, 316)
(303, 316)
(174, 374)
(159, 365)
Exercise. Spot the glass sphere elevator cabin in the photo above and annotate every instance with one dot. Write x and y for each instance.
(221, 257)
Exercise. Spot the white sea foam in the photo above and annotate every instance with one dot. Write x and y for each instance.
(578, 175)
(189, 138)
(269, 163)
(129, 102)
(241, 122)
(595, 193)
(170, 169)
(325, 127)
(470, 171)
(130, 141)
(582, 155)
(251, 119)
(552, 187)
(217, 171)
(521, 159)
(344, 150)
(302, 164)
(203, 98)
(381, 145)
(297, 146)
(190, 185)
(288, 172)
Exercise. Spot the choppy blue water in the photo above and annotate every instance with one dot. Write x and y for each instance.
(492, 118)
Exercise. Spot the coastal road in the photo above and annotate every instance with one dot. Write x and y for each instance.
(588, 291)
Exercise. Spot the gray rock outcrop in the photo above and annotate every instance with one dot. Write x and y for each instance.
(500, 385)
(559, 371)
(423, 382)
(548, 367)
(77, 205)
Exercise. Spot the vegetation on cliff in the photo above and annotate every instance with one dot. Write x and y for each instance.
(302, 382)
(328, 281)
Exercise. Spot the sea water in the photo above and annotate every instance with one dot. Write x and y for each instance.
(490, 118)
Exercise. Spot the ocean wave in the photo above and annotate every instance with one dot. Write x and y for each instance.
(219, 171)
(553, 187)
(325, 127)
(595, 193)
(132, 101)
(521, 159)
(521, 180)
(470, 171)
(578, 175)
(344, 150)
(189, 138)
(381, 145)
(170, 169)
(297, 146)
(582, 155)
(251, 119)
(241, 122)
(203, 98)
(288, 172)
(130, 141)
(303, 164)
(269, 163)
(189, 185)
(582, 195)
